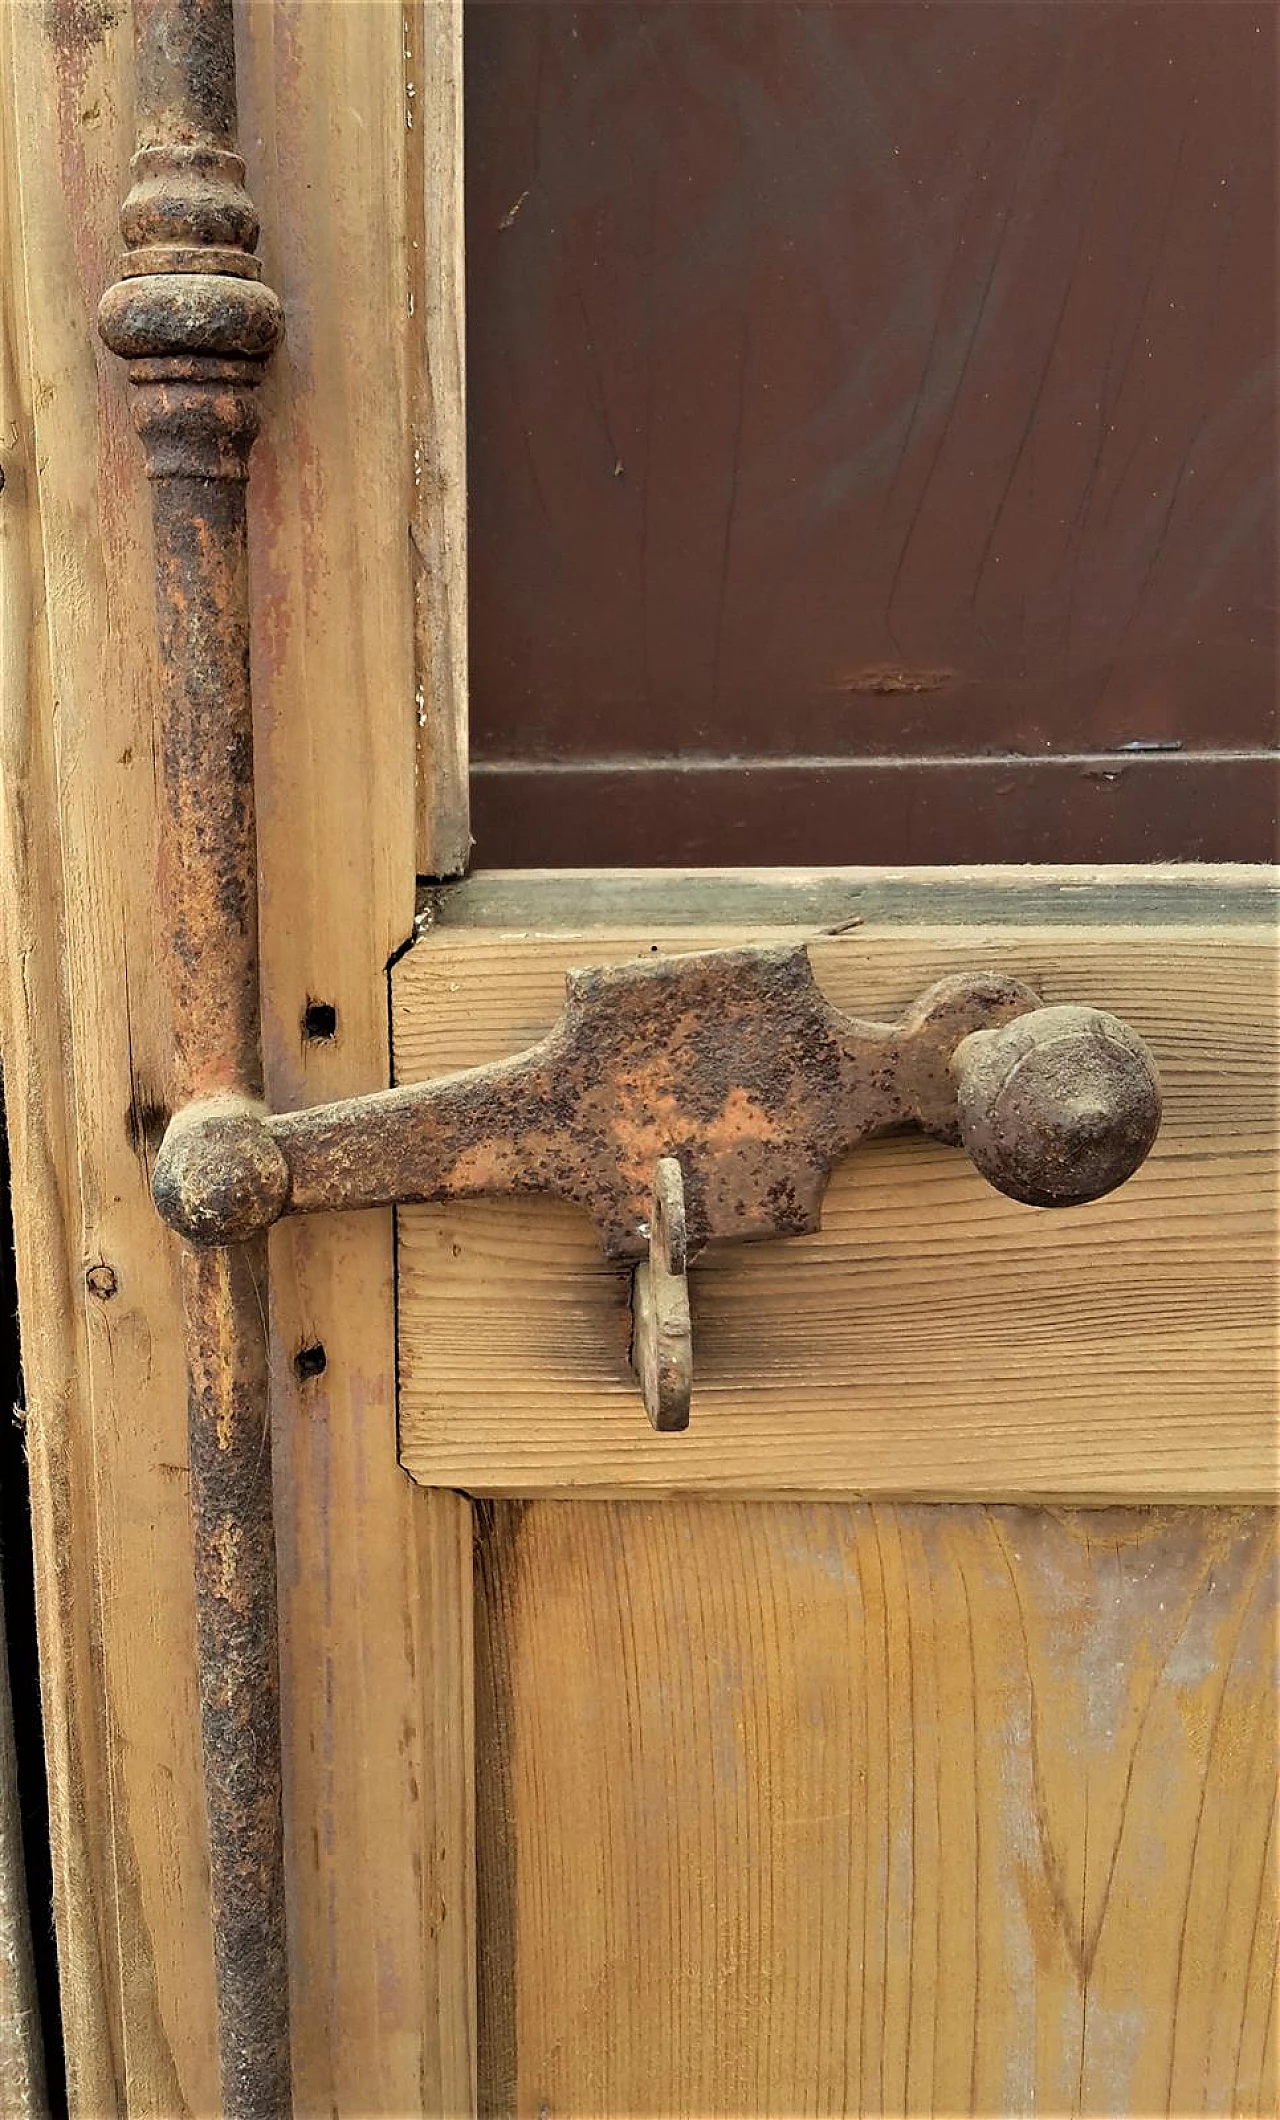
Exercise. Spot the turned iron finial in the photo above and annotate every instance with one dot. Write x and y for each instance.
(190, 307)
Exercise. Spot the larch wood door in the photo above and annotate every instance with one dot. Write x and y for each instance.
(902, 1739)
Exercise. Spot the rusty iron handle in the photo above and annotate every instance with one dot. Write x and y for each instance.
(694, 1098)
(195, 323)
(733, 1063)
(1059, 1107)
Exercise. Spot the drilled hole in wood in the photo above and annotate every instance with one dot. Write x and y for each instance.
(319, 1022)
(310, 1362)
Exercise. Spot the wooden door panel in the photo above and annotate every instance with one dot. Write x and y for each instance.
(868, 431)
(826, 1808)
(933, 1339)
(874, 1805)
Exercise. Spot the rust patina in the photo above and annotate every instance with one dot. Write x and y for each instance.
(694, 1098)
(731, 1062)
(195, 323)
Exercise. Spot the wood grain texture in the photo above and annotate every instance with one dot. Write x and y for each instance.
(37, 1060)
(876, 1809)
(435, 339)
(1061, 894)
(88, 1035)
(373, 1589)
(933, 1339)
(377, 1717)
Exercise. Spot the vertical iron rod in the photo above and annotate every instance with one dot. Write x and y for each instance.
(193, 319)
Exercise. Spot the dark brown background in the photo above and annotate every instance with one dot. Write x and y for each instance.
(871, 430)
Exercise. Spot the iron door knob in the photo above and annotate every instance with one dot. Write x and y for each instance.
(1058, 1107)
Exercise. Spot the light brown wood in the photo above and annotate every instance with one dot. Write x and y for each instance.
(876, 1809)
(787, 1808)
(435, 352)
(374, 1575)
(378, 1768)
(45, 1189)
(934, 1339)
(86, 1079)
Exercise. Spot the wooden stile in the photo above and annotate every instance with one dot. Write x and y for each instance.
(436, 354)
(87, 1042)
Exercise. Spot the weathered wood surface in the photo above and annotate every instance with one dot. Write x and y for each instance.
(876, 1809)
(85, 1036)
(434, 343)
(377, 1715)
(1047, 894)
(933, 1339)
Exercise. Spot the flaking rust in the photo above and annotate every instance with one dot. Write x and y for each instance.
(193, 320)
(730, 1062)
(691, 1099)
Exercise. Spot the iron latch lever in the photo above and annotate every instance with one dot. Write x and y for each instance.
(724, 1080)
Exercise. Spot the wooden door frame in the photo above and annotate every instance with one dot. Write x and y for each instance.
(351, 127)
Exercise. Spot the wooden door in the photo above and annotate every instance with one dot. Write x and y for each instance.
(903, 1738)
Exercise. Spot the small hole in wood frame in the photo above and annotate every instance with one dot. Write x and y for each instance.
(310, 1362)
(319, 1022)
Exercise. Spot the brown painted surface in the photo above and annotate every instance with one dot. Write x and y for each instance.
(875, 812)
(859, 381)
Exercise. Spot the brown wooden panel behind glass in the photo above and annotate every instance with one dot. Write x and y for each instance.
(867, 383)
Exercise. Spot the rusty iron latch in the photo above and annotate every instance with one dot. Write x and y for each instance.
(693, 1099)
